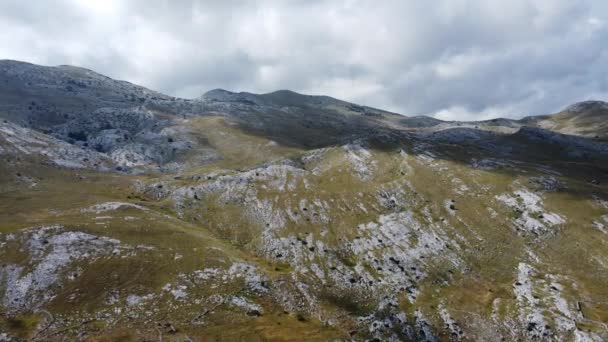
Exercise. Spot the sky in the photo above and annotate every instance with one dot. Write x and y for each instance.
(451, 59)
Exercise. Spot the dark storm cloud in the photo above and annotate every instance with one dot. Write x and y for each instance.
(459, 59)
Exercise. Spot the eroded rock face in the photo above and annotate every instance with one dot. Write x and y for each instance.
(531, 217)
(19, 141)
(51, 250)
(360, 159)
(543, 311)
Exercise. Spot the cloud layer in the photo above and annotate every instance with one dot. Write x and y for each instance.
(453, 59)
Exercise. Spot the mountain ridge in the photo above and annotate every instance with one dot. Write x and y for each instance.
(578, 107)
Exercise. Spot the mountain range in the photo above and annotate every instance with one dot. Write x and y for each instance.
(127, 214)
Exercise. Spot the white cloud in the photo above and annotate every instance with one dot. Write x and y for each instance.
(457, 59)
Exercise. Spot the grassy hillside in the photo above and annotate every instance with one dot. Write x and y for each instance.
(375, 238)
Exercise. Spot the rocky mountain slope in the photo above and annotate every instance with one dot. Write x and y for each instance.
(585, 118)
(128, 214)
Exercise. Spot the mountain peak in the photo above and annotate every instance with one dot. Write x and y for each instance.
(585, 106)
(218, 91)
(284, 92)
(217, 94)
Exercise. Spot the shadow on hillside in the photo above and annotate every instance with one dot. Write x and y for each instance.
(533, 151)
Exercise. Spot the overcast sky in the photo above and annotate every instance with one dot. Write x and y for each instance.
(452, 59)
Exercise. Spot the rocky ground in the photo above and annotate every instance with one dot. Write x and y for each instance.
(128, 214)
